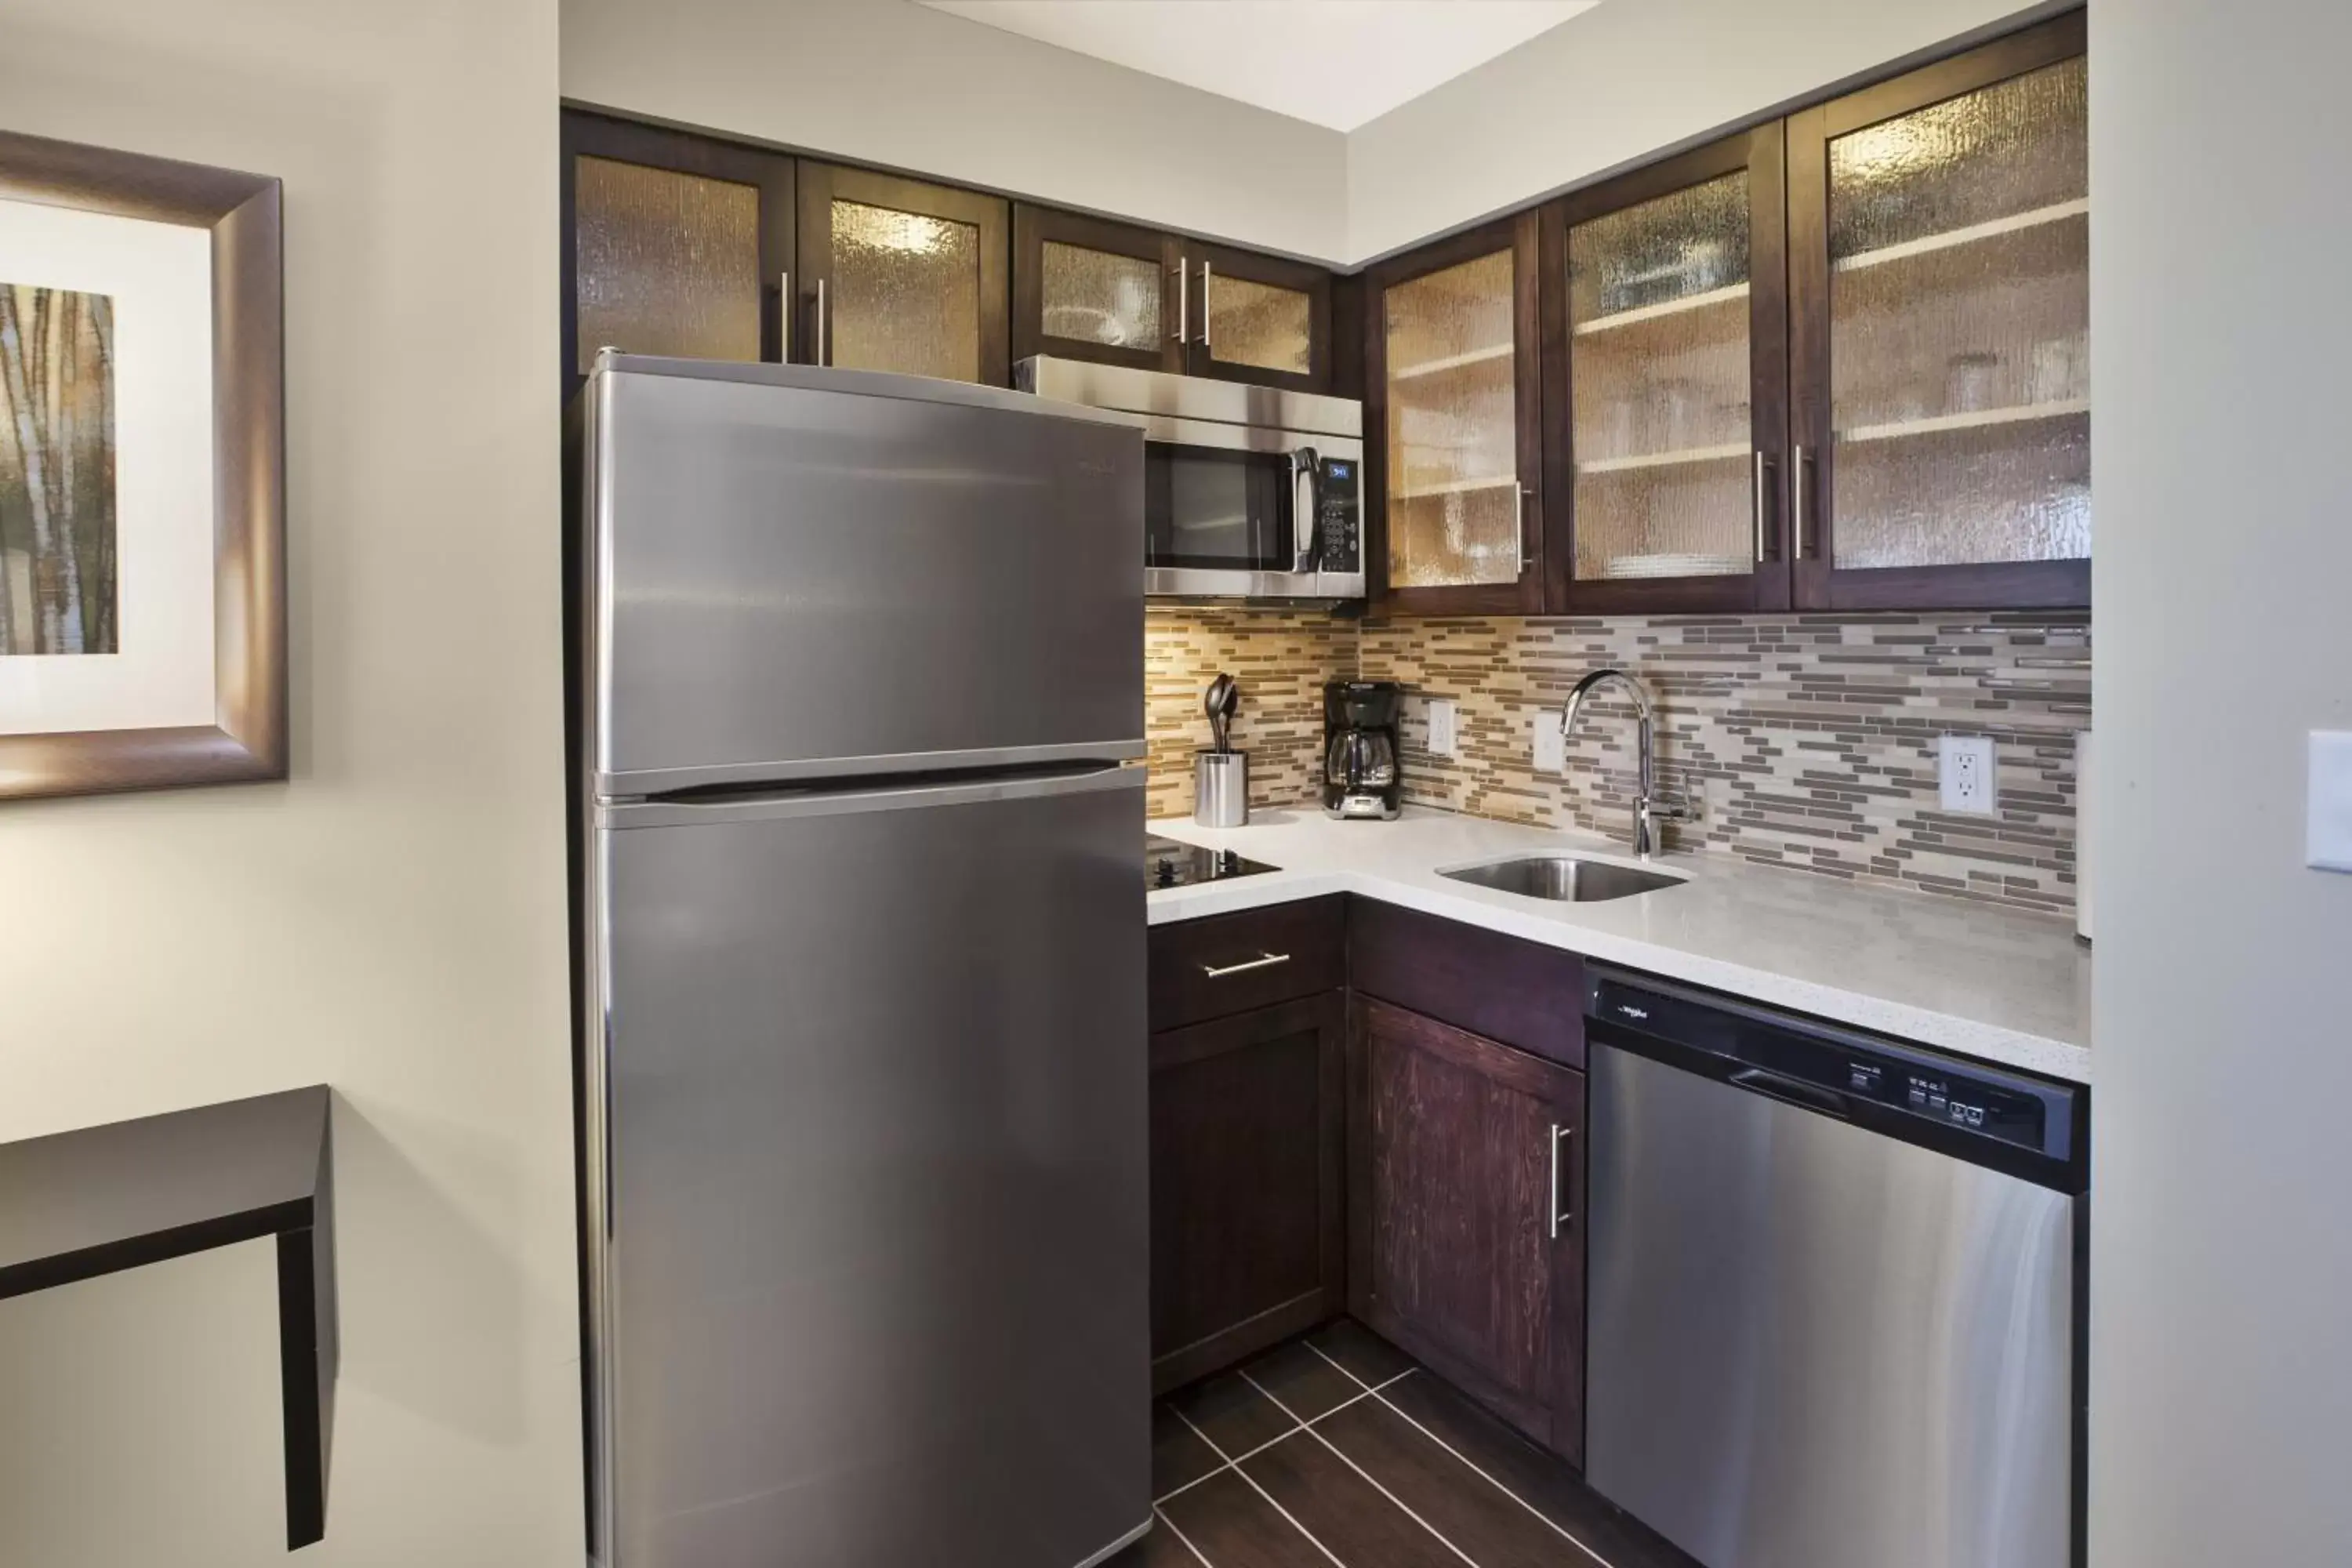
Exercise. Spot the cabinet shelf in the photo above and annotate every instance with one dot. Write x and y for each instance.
(1455, 487)
(1664, 459)
(1500, 353)
(1974, 233)
(1663, 307)
(1861, 434)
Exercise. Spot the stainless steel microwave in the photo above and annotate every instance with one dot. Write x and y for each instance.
(1249, 491)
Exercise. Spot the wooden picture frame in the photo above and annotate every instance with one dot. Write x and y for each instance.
(242, 216)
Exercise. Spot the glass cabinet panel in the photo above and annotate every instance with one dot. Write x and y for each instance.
(1960, 378)
(667, 263)
(906, 292)
(1659, 386)
(1098, 297)
(1260, 325)
(1453, 426)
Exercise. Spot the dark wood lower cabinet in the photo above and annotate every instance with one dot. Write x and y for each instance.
(1248, 1184)
(1465, 1223)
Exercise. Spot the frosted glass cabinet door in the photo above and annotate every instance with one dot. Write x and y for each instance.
(902, 277)
(674, 243)
(1256, 318)
(1676, 322)
(1453, 345)
(1087, 288)
(1946, 398)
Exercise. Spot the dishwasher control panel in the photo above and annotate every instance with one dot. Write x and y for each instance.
(1829, 1068)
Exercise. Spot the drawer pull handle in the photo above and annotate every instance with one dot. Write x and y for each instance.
(1265, 961)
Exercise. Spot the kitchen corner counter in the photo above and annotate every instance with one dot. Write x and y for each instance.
(2001, 985)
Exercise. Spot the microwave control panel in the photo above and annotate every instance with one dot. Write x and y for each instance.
(1338, 527)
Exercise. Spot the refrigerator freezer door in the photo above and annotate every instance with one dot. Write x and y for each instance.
(873, 1252)
(807, 572)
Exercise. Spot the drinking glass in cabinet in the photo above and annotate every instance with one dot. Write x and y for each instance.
(1658, 382)
(1453, 426)
(1960, 238)
(1098, 297)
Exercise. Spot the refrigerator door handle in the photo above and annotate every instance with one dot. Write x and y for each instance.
(913, 794)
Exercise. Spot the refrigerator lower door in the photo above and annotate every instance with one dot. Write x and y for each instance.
(867, 1169)
(798, 573)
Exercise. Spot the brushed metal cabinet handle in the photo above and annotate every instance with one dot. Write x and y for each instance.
(1265, 961)
(1560, 1214)
(821, 345)
(1520, 517)
(1760, 555)
(1204, 307)
(1183, 298)
(785, 304)
(1805, 541)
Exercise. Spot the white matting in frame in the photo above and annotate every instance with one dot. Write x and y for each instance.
(159, 276)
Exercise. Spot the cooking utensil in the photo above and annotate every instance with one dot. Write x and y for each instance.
(1220, 703)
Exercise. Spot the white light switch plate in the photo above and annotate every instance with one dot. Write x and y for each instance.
(1550, 745)
(2329, 835)
(1443, 740)
(1967, 766)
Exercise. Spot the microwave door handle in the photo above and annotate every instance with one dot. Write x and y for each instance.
(1306, 480)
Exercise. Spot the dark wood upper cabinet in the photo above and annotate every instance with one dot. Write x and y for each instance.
(897, 275)
(1453, 418)
(1465, 1213)
(1938, 249)
(673, 244)
(1087, 288)
(1665, 376)
(1259, 319)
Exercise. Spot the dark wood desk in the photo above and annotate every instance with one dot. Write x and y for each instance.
(76, 1205)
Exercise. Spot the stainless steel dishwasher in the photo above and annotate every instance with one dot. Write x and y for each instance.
(1836, 1290)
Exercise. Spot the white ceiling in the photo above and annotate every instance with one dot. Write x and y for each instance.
(1333, 62)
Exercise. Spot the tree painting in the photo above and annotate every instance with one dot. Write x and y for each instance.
(57, 472)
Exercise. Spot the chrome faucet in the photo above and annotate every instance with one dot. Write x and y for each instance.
(1649, 808)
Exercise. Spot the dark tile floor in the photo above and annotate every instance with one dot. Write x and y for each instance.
(1338, 1449)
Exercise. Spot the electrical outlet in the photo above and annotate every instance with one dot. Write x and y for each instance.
(1550, 745)
(1443, 741)
(1967, 766)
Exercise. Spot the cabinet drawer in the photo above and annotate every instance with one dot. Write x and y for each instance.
(1222, 964)
(1523, 993)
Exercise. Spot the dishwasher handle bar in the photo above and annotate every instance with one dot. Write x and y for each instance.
(1773, 1086)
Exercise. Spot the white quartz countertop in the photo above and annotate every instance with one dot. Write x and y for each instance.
(2002, 986)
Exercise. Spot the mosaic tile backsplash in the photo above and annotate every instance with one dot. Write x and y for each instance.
(1809, 740)
(1281, 658)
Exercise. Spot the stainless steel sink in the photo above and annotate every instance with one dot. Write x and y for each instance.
(1562, 878)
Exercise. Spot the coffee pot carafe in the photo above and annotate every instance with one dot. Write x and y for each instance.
(1360, 777)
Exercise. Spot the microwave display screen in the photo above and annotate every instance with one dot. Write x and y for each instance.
(1209, 508)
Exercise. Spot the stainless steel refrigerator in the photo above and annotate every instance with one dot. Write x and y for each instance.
(862, 1086)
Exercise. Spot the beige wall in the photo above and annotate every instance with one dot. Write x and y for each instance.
(1609, 89)
(392, 921)
(2222, 1255)
(884, 81)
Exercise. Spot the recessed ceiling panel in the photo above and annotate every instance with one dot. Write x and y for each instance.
(1333, 62)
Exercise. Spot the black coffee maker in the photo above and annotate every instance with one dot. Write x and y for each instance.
(1360, 748)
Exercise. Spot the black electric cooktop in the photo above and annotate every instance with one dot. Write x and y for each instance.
(1168, 864)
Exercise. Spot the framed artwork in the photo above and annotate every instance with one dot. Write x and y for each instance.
(143, 490)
